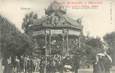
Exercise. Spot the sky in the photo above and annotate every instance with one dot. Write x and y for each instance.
(96, 21)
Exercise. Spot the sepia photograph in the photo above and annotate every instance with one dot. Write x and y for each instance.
(57, 36)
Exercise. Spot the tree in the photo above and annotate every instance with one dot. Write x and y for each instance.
(12, 41)
(92, 46)
(28, 20)
(110, 39)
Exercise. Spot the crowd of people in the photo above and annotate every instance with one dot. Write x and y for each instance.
(54, 63)
(18, 64)
(30, 64)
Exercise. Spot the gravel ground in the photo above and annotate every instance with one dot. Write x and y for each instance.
(91, 70)
(80, 70)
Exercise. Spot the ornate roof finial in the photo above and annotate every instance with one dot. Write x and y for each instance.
(55, 7)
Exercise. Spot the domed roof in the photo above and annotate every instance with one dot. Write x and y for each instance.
(56, 18)
(55, 7)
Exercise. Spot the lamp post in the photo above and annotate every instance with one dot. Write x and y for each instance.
(45, 51)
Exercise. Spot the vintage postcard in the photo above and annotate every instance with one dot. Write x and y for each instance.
(57, 36)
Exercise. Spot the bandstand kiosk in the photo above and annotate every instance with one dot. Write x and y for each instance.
(55, 33)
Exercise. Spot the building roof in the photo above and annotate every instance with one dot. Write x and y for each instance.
(55, 18)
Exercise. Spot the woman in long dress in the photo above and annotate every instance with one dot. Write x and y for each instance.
(99, 65)
(103, 63)
(107, 62)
